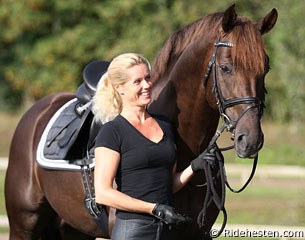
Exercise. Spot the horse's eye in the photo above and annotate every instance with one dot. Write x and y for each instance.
(225, 68)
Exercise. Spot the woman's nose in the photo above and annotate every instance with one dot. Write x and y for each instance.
(146, 84)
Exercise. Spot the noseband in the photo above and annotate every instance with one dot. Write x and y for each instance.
(223, 104)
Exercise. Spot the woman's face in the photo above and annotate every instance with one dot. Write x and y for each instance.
(137, 90)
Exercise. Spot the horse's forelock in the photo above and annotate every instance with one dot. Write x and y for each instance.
(248, 52)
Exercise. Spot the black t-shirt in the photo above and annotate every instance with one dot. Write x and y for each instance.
(145, 169)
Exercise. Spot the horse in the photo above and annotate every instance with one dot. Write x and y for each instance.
(211, 69)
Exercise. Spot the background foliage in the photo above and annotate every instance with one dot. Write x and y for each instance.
(45, 44)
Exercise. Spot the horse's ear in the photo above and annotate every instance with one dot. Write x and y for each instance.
(268, 22)
(229, 19)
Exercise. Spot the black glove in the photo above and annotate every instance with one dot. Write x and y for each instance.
(169, 215)
(197, 163)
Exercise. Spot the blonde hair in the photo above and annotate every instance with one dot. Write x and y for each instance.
(107, 102)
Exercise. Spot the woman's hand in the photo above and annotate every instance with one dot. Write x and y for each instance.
(197, 163)
(169, 215)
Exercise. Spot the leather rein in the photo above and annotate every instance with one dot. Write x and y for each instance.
(215, 170)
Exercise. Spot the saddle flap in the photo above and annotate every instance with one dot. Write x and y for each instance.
(64, 132)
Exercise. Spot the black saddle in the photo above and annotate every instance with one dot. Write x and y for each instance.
(73, 133)
(91, 75)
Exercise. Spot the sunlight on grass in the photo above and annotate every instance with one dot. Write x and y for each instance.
(267, 205)
(2, 201)
(4, 229)
(285, 153)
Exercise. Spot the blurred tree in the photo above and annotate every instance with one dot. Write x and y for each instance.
(44, 44)
(287, 85)
(46, 51)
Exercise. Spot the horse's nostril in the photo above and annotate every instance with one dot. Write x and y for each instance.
(240, 138)
(241, 142)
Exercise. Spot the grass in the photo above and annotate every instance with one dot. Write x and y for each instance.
(283, 145)
(2, 203)
(267, 204)
(262, 205)
(2, 200)
(277, 202)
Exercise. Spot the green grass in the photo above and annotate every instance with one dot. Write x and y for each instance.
(283, 145)
(265, 205)
(277, 202)
(285, 153)
(2, 201)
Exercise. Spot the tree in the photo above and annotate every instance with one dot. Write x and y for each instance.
(46, 51)
(45, 44)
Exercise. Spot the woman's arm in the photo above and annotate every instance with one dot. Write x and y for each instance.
(180, 179)
(106, 165)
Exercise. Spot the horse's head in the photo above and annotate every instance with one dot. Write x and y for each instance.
(235, 78)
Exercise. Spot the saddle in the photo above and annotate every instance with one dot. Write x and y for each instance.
(68, 140)
(72, 135)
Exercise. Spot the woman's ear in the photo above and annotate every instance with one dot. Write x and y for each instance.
(119, 88)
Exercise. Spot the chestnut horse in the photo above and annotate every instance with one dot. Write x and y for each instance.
(213, 67)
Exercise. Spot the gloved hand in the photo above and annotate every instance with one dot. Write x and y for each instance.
(197, 163)
(169, 215)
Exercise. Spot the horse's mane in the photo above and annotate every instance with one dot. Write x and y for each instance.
(180, 39)
(247, 53)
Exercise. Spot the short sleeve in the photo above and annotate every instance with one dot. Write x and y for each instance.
(109, 137)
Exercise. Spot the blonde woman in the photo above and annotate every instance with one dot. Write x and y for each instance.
(137, 150)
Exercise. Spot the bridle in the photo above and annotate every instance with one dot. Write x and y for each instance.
(223, 104)
(215, 169)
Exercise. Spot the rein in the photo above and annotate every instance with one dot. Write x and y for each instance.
(214, 169)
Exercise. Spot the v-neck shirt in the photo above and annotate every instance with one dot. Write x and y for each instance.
(145, 169)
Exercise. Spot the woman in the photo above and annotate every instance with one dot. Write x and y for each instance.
(137, 150)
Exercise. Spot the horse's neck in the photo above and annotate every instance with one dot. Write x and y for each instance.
(179, 95)
(164, 100)
(195, 120)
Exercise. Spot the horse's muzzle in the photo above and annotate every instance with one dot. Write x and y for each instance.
(247, 146)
